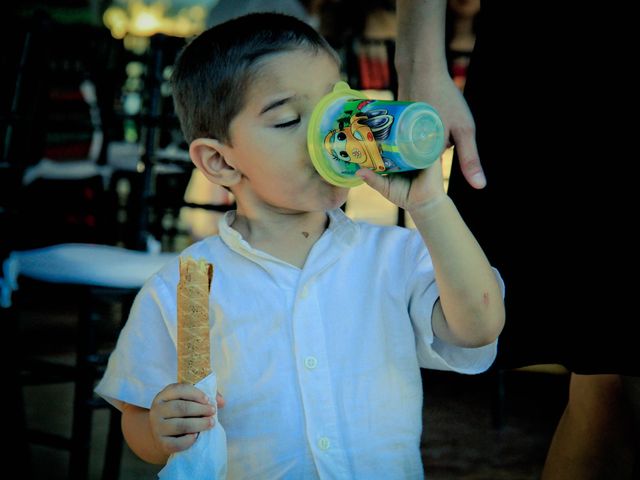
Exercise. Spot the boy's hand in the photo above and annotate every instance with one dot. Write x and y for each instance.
(178, 413)
(407, 190)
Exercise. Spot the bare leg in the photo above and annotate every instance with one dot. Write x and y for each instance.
(593, 439)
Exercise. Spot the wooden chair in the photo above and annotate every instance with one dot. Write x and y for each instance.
(85, 273)
(92, 274)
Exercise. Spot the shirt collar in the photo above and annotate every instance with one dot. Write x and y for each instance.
(343, 229)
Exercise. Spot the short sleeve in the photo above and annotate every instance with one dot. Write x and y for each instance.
(145, 359)
(432, 352)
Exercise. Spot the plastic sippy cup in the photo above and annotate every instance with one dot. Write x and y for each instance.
(347, 131)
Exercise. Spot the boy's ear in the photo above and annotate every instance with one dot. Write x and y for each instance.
(208, 155)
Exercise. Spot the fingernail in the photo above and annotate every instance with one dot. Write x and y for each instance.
(479, 179)
(206, 399)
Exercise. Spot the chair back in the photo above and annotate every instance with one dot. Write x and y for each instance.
(56, 108)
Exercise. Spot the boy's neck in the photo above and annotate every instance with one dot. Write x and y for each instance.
(288, 236)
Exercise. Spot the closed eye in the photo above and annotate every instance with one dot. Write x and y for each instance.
(290, 123)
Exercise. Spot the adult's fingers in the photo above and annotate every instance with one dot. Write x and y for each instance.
(467, 151)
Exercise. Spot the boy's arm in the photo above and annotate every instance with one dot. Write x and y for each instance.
(470, 311)
(178, 413)
(136, 429)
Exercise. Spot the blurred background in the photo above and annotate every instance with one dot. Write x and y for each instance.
(92, 155)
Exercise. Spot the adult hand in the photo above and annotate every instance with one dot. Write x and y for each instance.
(441, 92)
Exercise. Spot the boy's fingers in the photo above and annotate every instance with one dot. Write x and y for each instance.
(182, 391)
(185, 408)
(375, 181)
(219, 400)
(178, 444)
(182, 426)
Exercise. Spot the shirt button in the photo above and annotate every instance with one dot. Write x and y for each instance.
(304, 293)
(311, 362)
(324, 443)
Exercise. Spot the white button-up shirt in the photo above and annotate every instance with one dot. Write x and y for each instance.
(319, 366)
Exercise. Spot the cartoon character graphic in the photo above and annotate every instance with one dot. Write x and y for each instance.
(355, 138)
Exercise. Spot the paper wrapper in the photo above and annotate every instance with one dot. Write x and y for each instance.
(194, 362)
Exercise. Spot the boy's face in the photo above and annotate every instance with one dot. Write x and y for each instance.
(269, 135)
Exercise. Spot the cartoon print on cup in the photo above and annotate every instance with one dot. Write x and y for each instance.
(357, 136)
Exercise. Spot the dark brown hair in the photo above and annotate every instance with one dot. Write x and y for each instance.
(212, 73)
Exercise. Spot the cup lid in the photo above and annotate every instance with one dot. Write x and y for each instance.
(329, 167)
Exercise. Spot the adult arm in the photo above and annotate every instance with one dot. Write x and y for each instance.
(423, 76)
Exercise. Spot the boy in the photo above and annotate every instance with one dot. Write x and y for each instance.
(319, 324)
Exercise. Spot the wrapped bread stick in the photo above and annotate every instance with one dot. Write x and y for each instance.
(194, 362)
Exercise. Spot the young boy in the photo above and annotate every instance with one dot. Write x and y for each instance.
(319, 325)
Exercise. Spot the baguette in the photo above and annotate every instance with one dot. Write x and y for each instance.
(194, 362)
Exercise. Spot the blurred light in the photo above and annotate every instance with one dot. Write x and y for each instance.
(135, 18)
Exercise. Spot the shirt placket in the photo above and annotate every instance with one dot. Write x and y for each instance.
(316, 389)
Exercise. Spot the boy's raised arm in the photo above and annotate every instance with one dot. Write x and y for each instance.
(470, 311)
